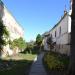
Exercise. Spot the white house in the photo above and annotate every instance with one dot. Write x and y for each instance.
(60, 34)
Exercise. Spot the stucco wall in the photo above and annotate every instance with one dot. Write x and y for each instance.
(46, 47)
(15, 30)
(12, 25)
(62, 39)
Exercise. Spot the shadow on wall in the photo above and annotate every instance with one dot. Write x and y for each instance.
(1, 9)
(1, 26)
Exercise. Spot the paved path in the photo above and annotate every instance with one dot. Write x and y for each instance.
(37, 67)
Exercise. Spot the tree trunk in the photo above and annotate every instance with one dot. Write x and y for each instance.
(71, 70)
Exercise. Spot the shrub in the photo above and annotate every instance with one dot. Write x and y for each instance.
(56, 61)
(20, 43)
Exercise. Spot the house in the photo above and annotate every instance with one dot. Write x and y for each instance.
(60, 34)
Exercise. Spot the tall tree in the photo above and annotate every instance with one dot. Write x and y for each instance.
(39, 41)
(4, 34)
(19, 43)
(71, 70)
(50, 42)
(2, 42)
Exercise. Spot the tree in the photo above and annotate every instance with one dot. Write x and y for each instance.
(71, 70)
(39, 40)
(29, 47)
(4, 34)
(2, 42)
(50, 42)
(20, 43)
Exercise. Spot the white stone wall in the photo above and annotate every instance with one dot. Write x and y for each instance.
(53, 34)
(69, 21)
(46, 47)
(64, 29)
(62, 39)
(15, 30)
(12, 25)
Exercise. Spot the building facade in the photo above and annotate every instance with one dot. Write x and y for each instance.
(14, 28)
(60, 34)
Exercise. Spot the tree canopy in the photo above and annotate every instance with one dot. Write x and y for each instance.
(50, 42)
(3, 34)
(39, 39)
(20, 43)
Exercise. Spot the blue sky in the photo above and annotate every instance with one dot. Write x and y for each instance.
(36, 16)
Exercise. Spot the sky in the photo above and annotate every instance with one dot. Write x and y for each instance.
(36, 16)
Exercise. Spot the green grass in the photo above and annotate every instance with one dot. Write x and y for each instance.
(19, 64)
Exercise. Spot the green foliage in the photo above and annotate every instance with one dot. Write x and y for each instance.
(20, 43)
(9, 42)
(3, 34)
(50, 42)
(18, 65)
(6, 32)
(56, 62)
(13, 43)
(29, 48)
(39, 40)
(2, 42)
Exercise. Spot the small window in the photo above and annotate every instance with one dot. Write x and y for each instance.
(55, 33)
(60, 31)
(51, 35)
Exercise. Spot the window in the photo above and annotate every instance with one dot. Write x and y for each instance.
(51, 35)
(60, 31)
(55, 33)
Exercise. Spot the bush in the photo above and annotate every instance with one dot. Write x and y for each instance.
(20, 43)
(56, 62)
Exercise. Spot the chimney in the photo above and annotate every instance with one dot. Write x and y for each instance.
(65, 11)
(71, 1)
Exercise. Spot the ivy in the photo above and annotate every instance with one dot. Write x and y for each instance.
(4, 34)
